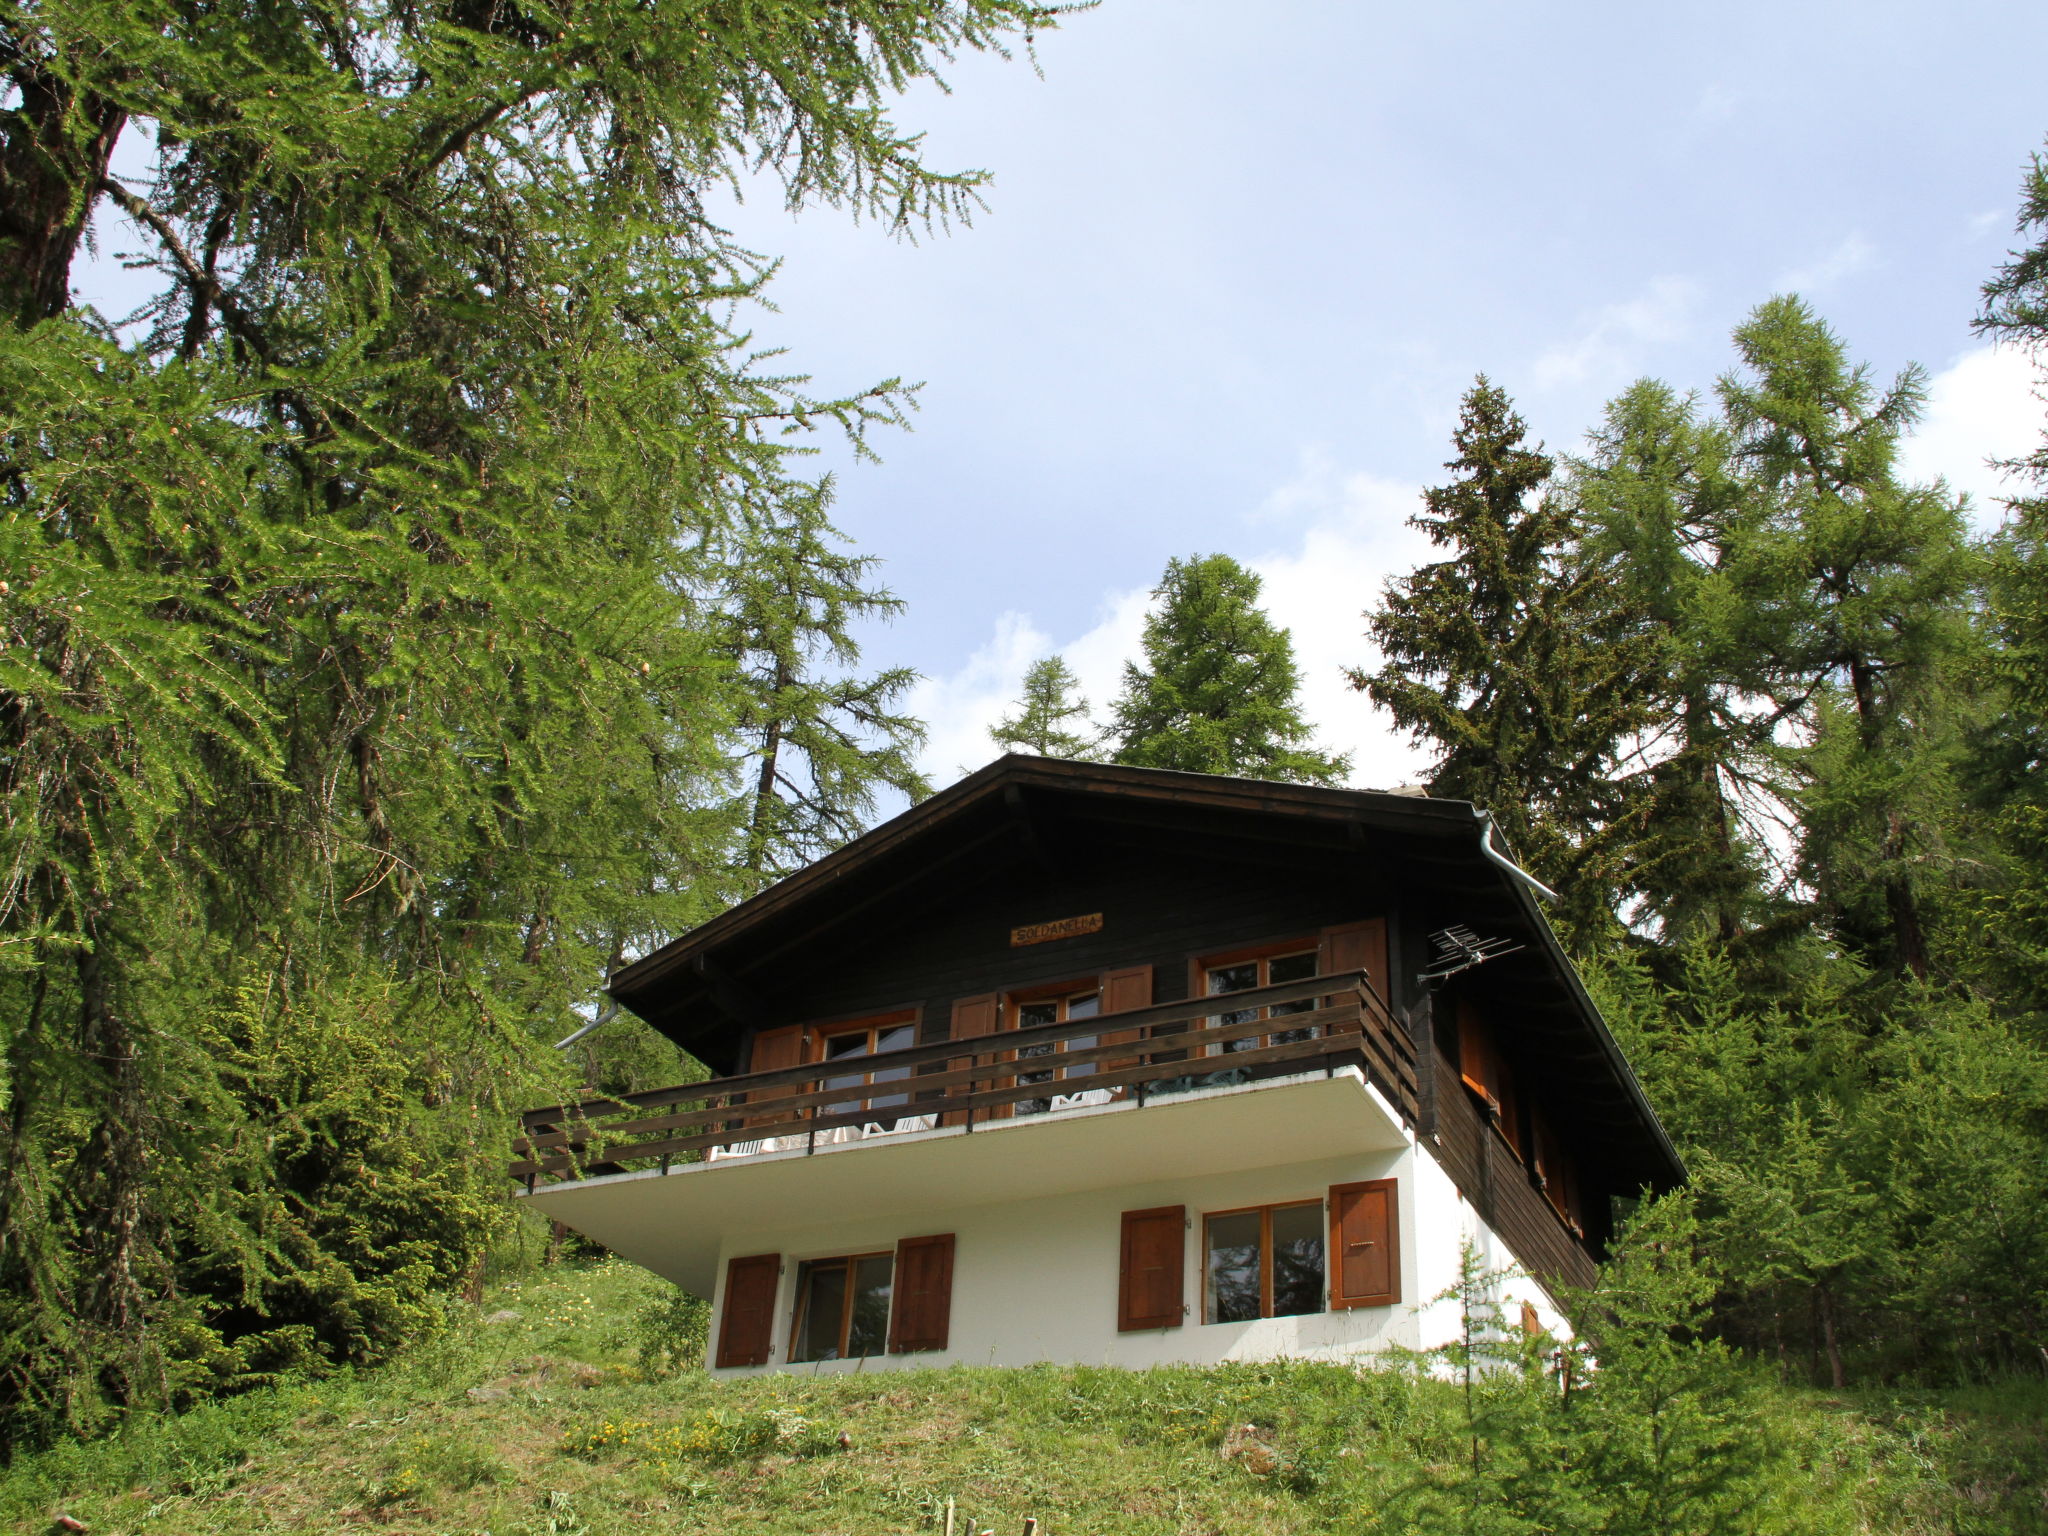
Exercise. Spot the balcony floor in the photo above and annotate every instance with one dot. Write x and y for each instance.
(676, 1224)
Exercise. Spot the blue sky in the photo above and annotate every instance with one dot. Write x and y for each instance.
(1239, 262)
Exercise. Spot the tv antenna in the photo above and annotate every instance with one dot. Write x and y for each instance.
(1458, 948)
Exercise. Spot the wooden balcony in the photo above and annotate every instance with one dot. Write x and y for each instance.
(1159, 1053)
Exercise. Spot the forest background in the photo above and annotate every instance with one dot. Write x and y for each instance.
(421, 607)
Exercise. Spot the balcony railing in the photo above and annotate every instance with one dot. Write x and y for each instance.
(1160, 1051)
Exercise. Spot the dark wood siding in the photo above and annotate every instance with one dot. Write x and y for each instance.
(1150, 1273)
(922, 1306)
(956, 943)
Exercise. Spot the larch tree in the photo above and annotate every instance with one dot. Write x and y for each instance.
(1051, 716)
(1515, 660)
(361, 684)
(2010, 775)
(1217, 690)
(1869, 636)
(1661, 507)
(821, 744)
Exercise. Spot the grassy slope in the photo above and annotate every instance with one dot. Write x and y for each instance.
(570, 1439)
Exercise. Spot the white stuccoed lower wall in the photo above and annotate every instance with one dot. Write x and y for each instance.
(1036, 1280)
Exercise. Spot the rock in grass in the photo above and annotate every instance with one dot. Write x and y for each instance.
(505, 1315)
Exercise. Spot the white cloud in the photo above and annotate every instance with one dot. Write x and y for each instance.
(1616, 335)
(1982, 407)
(959, 708)
(1357, 536)
(1851, 256)
(1352, 536)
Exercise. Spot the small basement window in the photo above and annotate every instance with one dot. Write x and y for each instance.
(1263, 1262)
(842, 1307)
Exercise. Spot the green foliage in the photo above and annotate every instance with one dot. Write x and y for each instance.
(1642, 1426)
(1052, 716)
(1217, 691)
(1864, 1161)
(673, 1329)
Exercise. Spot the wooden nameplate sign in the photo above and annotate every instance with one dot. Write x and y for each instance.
(1059, 928)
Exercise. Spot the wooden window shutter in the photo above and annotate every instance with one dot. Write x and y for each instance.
(1475, 1055)
(1121, 992)
(1365, 1245)
(973, 1017)
(1358, 947)
(1148, 1287)
(921, 1307)
(773, 1050)
(746, 1324)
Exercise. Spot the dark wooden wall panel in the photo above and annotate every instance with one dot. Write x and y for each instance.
(1159, 914)
(1487, 1173)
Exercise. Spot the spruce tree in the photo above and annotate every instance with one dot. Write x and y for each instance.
(1515, 659)
(1216, 693)
(1051, 718)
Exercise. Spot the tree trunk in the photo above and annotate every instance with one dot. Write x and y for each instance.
(1826, 1297)
(54, 149)
(114, 1160)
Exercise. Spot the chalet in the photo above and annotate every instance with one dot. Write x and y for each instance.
(1094, 1064)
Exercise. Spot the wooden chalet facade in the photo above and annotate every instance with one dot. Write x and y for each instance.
(1098, 1064)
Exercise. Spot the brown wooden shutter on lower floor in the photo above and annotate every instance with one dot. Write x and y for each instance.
(973, 1017)
(746, 1324)
(1121, 992)
(1365, 1245)
(921, 1308)
(1149, 1289)
(773, 1050)
(1358, 947)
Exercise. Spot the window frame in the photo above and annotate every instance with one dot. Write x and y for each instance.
(1265, 1212)
(1263, 955)
(800, 1299)
(874, 1024)
(1012, 1002)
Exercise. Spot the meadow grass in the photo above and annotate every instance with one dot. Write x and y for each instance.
(546, 1426)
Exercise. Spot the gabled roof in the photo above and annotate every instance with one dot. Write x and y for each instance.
(707, 972)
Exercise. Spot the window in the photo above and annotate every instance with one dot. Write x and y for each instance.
(842, 1307)
(1264, 1262)
(1293, 963)
(1082, 1001)
(869, 1037)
